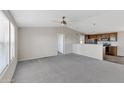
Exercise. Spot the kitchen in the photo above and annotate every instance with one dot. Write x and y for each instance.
(108, 40)
(103, 46)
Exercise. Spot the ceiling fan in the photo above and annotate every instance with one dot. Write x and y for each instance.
(63, 22)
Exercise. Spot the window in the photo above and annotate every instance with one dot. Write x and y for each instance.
(12, 42)
(7, 41)
(4, 41)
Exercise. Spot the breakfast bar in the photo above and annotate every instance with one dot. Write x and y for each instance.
(90, 50)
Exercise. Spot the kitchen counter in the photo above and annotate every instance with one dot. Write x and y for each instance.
(90, 50)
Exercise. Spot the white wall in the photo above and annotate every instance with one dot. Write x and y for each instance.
(6, 76)
(37, 42)
(71, 37)
(41, 42)
(120, 43)
(82, 38)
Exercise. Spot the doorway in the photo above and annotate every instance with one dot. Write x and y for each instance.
(60, 43)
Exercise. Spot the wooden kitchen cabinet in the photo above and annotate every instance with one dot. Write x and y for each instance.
(102, 37)
(111, 50)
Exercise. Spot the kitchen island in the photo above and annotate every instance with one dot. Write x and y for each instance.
(90, 50)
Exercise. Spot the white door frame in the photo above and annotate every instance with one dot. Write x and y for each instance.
(63, 42)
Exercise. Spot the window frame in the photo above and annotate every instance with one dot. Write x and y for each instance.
(10, 43)
(9, 59)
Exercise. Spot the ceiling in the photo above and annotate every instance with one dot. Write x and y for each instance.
(81, 20)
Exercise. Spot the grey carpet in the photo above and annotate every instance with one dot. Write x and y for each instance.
(69, 68)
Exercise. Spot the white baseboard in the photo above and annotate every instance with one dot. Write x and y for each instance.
(25, 59)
